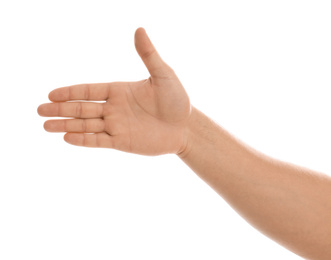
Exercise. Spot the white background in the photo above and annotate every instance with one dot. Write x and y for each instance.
(259, 68)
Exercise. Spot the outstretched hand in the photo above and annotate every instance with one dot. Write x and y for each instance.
(147, 117)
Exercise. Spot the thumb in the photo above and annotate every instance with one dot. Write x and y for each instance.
(151, 58)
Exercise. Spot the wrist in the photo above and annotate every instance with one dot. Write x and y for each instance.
(198, 131)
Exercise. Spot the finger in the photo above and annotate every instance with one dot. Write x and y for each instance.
(75, 125)
(151, 58)
(99, 91)
(90, 140)
(72, 109)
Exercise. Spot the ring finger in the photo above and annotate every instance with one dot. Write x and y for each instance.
(72, 109)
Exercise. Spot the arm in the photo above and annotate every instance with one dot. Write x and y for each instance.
(289, 204)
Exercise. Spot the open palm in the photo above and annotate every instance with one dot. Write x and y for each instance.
(146, 117)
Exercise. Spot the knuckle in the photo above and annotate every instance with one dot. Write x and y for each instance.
(69, 93)
(148, 54)
(79, 109)
(101, 109)
(87, 91)
(98, 141)
(84, 125)
(169, 70)
(65, 126)
(84, 140)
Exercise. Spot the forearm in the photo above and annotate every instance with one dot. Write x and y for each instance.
(290, 204)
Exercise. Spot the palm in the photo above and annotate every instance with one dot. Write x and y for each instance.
(145, 117)
(140, 121)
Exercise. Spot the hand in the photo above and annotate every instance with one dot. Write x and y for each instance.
(147, 117)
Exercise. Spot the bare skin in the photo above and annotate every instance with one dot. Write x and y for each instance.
(288, 203)
(145, 117)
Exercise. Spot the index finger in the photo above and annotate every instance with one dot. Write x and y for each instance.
(98, 91)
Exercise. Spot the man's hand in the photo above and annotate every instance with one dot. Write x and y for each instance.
(146, 117)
